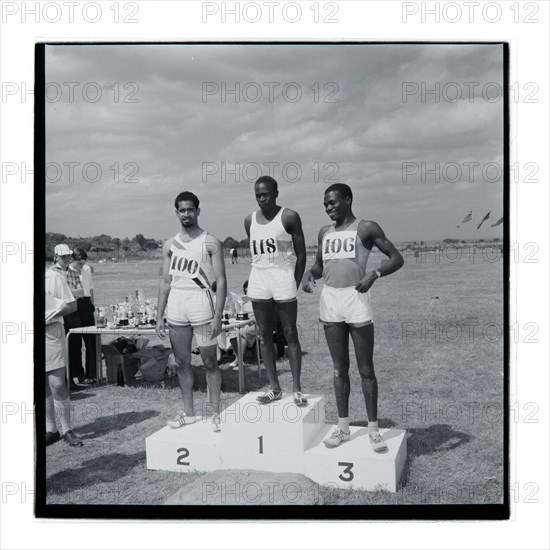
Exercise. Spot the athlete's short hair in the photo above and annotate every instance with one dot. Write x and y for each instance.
(269, 180)
(79, 254)
(187, 196)
(342, 188)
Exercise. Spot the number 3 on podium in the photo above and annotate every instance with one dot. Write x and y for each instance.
(347, 470)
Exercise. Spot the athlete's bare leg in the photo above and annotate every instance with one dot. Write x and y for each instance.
(288, 314)
(181, 338)
(263, 312)
(363, 341)
(337, 336)
(213, 376)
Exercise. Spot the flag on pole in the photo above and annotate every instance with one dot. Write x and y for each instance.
(499, 222)
(466, 219)
(486, 217)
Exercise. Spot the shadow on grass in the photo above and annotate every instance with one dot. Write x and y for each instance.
(434, 439)
(384, 423)
(114, 423)
(113, 467)
(80, 395)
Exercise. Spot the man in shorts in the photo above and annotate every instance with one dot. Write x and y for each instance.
(59, 302)
(274, 231)
(342, 254)
(192, 263)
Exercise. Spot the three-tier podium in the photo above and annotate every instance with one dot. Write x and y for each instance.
(280, 437)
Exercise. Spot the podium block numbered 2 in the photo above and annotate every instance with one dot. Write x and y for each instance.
(185, 449)
(280, 437)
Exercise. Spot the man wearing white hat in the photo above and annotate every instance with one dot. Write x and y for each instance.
(59, 302)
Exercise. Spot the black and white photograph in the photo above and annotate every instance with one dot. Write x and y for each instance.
(276, 280)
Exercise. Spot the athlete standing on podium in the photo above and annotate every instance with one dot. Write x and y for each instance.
(274, 231)
(192, 262)
(345, 309)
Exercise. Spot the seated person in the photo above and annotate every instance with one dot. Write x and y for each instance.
(228, 340)
(248, 332)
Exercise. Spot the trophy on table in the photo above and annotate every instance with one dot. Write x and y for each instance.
(239, 307)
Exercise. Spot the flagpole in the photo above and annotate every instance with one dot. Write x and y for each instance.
(473, 234)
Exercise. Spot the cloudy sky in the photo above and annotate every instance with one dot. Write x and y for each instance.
(151, 121)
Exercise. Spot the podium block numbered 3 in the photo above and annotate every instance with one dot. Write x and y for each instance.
(280, 437)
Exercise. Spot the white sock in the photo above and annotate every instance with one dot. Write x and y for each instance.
(372, 426)
(50, 415)
(343, 424)
(63, 414)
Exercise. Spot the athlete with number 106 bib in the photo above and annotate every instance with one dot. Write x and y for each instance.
(274, 232)
(344, 308)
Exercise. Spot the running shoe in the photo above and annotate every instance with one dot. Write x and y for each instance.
(269, 397)
(299, 399)
(216, 423)
(336, 437)
(377, 443)
(181, 420)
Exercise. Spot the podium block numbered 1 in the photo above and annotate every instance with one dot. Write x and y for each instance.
(280, 437)
(269, 437)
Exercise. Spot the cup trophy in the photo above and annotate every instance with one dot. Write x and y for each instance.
(100, 317)
(241, 315)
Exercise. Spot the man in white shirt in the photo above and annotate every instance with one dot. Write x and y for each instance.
(59, 302)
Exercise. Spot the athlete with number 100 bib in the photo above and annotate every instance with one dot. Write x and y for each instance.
(192, 262)
(274, 232)
(345, 309)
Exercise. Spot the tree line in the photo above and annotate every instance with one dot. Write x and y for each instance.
(107, 247)
(104, 246)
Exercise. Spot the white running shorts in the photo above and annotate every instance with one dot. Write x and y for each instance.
(345, 305)
(190, 307)
(272, 283)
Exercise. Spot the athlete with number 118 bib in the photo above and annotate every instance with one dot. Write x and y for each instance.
(274, 232)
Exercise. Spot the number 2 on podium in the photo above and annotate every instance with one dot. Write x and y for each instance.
(261, 444)
(185, 454)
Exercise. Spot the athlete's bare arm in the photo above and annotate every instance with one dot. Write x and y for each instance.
(371, 234)
(293, 225)
(316, 270)
(164, 288)
(215, 250)
(247, 222)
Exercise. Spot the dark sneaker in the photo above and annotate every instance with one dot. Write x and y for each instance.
(52, 437)
(72, 439)
(299, 399)
(269, 397)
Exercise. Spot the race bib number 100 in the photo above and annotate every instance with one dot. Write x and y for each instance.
(339, 245)
(183, 267)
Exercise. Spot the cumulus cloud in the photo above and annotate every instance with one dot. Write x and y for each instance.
(159, 119)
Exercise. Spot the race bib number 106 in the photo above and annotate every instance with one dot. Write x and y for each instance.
(338, 245)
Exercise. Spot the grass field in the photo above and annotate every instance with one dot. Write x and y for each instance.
(439, 364)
